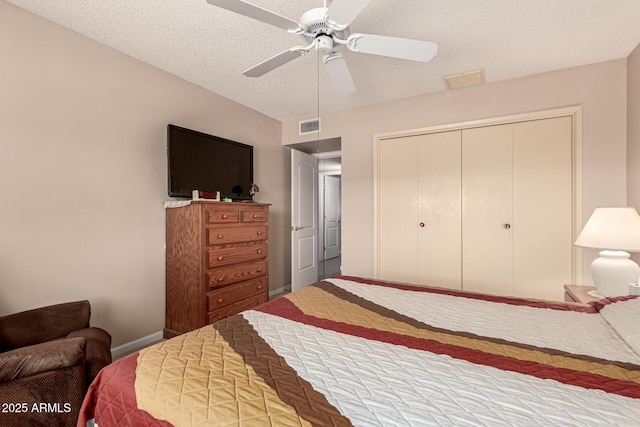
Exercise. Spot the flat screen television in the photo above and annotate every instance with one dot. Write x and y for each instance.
(197, 161)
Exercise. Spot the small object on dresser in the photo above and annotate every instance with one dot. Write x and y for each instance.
(253, 189)
(205, 195)
(634, 289)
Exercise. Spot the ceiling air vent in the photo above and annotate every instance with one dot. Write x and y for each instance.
(470, 78)
(309, 126)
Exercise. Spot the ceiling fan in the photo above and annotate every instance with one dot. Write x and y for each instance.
(325, 28)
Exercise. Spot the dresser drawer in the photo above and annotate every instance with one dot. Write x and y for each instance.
(254, 215)
(228, 275)
(237, 307)
(231, 254)
(218, 214)
(223, 235)
(231, 294)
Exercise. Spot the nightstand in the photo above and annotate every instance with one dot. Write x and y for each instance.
(577, 293)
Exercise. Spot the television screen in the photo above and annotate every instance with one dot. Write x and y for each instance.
(202, 162)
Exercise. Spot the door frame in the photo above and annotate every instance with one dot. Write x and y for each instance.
(575, 112)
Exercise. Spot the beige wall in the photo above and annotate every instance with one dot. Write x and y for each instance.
(633, 132)
(633, 128)
(600, 89)
(83, 172)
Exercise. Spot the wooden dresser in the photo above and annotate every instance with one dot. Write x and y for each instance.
(217, 262)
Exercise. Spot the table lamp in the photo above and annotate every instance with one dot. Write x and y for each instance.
(615, 230)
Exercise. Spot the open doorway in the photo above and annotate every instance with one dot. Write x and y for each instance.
(329, 194)
(328, 204)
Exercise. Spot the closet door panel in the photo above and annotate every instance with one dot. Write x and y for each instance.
(487, 219)
(397, 209)
(439, 214)
(543, 214)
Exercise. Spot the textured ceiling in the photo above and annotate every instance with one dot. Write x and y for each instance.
(211, 47)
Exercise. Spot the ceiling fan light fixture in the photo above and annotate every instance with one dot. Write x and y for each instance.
(466, 79)
(324, 44)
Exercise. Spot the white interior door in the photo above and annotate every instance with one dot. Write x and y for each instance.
(331, 216)
(520, 185)
(487, 210)
(304, 220)
(439, 210)
(398, 209)
(543, 215)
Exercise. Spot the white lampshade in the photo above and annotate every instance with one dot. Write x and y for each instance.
(612, 228)
(617, 231)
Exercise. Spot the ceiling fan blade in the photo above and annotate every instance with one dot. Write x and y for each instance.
(339, 73)
(275, 61)
(256, 12)
(341, 13)
(395, 47)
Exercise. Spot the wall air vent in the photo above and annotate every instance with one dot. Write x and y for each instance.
(470, 78)
(309, 126)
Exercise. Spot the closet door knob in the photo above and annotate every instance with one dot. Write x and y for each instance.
(507, 226)
(422, 224)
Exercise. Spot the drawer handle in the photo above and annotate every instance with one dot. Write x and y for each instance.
(259, 233)
(220, 279)
(259, 251)
(225, 216)
(220, 258)
(220, 236)
(255, 216)
(260, 270)
(259, 287)
(220, 300)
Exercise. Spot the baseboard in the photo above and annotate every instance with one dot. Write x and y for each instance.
(134, 345)
(130, 347)
(280, 290)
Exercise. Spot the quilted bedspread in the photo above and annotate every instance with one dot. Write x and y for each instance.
(350, 351)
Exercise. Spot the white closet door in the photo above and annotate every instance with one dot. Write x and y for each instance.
(397, 209)
(487, 217)
(439, 215)
(543, 215)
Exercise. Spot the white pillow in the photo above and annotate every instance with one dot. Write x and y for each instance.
(623, 314)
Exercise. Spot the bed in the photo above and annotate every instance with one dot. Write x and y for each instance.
(353, 351)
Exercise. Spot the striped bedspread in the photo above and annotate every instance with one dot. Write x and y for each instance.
(351, 351)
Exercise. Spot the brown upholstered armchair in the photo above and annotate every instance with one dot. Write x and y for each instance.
(48, 358)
